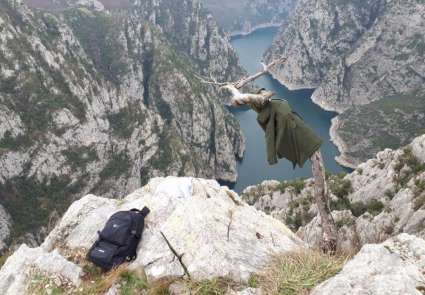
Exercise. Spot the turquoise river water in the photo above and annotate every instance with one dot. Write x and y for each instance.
(253, 169)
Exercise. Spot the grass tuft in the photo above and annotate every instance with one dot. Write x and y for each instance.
(299, 272)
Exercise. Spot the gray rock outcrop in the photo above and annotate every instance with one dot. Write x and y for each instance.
(93, 101)
(394, 267)
(381, 198)
(365, 60)
(352, 53)
(25, 263)
(216, 231)
(244, 16)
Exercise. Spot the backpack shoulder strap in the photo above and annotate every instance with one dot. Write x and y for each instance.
(139, 217)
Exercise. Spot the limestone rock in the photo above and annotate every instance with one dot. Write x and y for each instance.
(209, 224)
(243, 17)
(394, 267)
(383, 197)
(112, 113)
(364, 60)
(15, 275)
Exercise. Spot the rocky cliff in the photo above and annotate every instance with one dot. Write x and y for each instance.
(383, 197)
(355, 53)
(93, 101)
(209, 224)
(244, 16)
(224, 246)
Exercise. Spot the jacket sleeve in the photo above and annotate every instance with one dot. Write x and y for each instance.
(271, 139)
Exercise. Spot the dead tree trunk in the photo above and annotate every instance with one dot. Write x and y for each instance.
(321, 197)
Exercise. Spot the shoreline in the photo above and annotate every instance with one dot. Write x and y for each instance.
(342, 159)
(235, 34)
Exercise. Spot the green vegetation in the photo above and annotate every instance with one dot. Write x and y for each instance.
(31, 202)
(390, 122)
(413, 165)
(373, 207)
(124, 122)
(38, 285)
(298, 213)
(131, 284)
(217, 286)
(119, 166)
(344, 221)
(99, 35)
(298, 273)
(297, 185)
(390, 194)
(419, 202)
(339, 186)
(95, 282)
(253, 281)
(3, 258)
(14, 143)
(79, 156)
(289, 274)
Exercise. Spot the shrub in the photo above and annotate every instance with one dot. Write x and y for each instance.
(131, 284)
(373, 207)
(390, 194)
(79, 156)
(339, 186)
(297, 184)
(419, 202)
(415, 167)
(118, 166)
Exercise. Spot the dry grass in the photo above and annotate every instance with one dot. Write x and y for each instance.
(298, 273)
(291, 274)
(216, 286)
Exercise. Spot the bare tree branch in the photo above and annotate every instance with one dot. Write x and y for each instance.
(321, 196)
(266, 69)
(257, 100)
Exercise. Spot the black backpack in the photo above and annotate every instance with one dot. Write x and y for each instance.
(119, 239)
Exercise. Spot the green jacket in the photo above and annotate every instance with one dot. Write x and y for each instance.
(287, 136)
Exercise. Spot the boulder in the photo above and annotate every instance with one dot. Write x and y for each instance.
(210, 225)
(217, 234)
(16, 273)
(394, 267)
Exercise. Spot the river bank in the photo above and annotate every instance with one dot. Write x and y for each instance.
(342, 159)
(244, 33)
(253, 168)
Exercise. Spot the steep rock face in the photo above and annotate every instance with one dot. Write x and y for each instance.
(381, 198)
(244, 16)
(353, 52)
(195, 33)
(210, 224)
(394, 267)
(366, 59)
(390, 122)
(100, 102)
(5, 225)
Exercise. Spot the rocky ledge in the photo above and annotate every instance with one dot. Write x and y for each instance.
(219, 235)
(391, 268)
(383, 197)
(215, 235)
